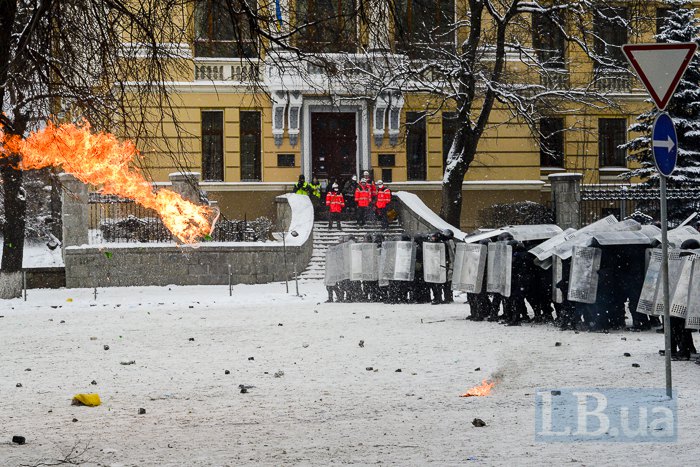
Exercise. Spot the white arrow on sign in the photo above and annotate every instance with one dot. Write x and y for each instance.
(668, 144)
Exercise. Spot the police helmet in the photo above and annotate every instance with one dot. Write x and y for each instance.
(448, 234)
(690, 244)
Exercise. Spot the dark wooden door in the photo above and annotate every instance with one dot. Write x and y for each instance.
(333, 145)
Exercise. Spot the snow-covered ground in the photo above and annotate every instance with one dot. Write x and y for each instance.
(38, 255)
(313, 399)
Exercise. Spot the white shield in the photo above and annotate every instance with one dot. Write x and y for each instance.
(526, 233)
(469, 264)
(679, 299)
(405, 267)
(675, 267)
(500, 266)
(583, 277)
(557, 276)
(346, 260)
(333, 265)
(647, 299)
(356, 266)
(434, 265)
(370, 261)
(381, 263)
(692, 319)
(388, 262)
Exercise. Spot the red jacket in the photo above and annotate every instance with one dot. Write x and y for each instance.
(335, 201)
(383, 197)
(362, 196)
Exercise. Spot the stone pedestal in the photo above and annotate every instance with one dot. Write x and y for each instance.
(75, 211)
(186, 184)
(566, 199)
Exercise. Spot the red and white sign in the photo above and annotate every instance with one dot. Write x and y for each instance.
(660, 67)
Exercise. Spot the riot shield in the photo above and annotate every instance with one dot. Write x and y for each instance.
(541, 250)
(675, 267)
(381, 264)
(370, 260)
(557, 276)
(547, 248)
(356, 265)
(434, 264)
(647, 299)
(333, 266)
(388, 262)
(405, 267)
(628, 237)
(692, 319)
(470, 261)
(679, 299)
(484, 235)
(583, 277)
(680, 234)
(346, 260)
(500, 267)
(526, 233)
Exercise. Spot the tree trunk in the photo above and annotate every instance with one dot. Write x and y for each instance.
(15, 219)
(460, 158)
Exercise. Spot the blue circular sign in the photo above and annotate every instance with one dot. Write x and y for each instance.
(664, 144)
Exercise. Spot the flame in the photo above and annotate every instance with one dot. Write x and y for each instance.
(482, 390)
(100, 159)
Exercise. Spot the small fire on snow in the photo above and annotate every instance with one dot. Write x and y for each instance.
(101, 160)
(484, 389)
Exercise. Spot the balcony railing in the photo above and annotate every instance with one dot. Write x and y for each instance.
(241, 70)
(612, 80)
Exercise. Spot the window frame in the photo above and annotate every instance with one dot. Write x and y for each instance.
(257, 134)
(416, 132)
(415, 41)
(609, 140)
(550, 151)
(212, 169)
(207, 44)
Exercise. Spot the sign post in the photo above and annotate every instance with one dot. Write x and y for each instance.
(660, 67)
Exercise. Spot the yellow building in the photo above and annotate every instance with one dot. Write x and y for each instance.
(255, 116)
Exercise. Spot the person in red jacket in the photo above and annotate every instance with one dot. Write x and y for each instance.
(370, 185)
(383, 198)
(335, 203)
(362, 199)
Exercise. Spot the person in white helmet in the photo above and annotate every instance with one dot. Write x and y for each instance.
(349, 194)
(335, 203)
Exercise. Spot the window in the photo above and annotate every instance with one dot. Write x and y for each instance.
(223, 30)
(386, 160)
(548, 40)
(612, 133)
(552, 142)
(213, 145)
(285, 160)
(449, 130)
(387, 176)
(327, 25)
(424, 28)
(415, 146)
(250, 146)
(610, 28)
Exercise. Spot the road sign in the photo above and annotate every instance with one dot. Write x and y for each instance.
(664, 144)
(660, 67)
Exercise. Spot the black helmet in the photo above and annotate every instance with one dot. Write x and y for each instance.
(505, 236)
(367, 238)
(484, 241)
(690, 244)
(448, 234)
(378, 238)
(405, 237)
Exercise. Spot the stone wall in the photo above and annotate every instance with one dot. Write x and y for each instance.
(158, 264)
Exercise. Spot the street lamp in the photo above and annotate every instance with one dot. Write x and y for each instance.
(277, 236)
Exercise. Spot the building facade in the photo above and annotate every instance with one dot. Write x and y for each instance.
(257, 113)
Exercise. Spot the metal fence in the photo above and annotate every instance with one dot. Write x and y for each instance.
(622, 201)
(114, 219)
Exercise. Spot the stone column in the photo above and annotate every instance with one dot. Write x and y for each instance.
(75, 212)
(566, 199)
(187, 185)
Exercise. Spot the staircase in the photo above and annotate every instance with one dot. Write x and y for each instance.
(323, 238)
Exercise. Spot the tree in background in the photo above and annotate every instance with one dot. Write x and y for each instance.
(677, 23)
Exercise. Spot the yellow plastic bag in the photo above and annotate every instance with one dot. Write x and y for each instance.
(91, 400)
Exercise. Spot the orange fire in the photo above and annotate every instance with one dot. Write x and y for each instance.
(100, 159)
(482, 390)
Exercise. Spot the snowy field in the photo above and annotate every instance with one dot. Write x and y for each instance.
(311, 398)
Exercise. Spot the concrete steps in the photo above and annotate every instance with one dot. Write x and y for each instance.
(323, 238)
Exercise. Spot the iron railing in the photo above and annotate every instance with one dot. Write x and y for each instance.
(118, 220)
(624, 200)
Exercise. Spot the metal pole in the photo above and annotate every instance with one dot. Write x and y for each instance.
(95, 293)
(230, 286)
(286, 270)
(24, 283)
(296, 278)
(664, 284)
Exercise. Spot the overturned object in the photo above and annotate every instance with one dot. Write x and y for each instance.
(91, 400)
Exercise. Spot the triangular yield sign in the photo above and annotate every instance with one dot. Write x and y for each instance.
(660, 67)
